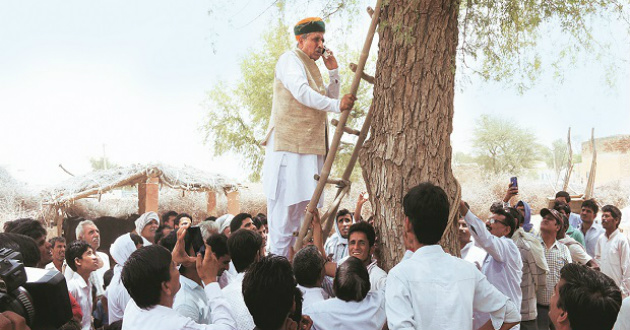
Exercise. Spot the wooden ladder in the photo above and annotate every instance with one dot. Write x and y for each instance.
(343, 184)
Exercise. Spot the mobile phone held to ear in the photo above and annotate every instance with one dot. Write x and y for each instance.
(513, 182)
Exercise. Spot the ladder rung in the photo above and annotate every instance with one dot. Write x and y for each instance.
(346, 129)
(339, 182)
(364, 75)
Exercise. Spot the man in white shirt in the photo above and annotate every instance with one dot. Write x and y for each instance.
(503, 265)
(117, 295)
(590, 229)
(432, 289)
(59, 254)
(336, 246)
(469, 251)
(81, 259)
(297, 137)
(584, 299)
(245, 248)
(623, 319)
(355, 305)
(308, 265)
(151, 277)
(613, 250)
(88, 231)
(578, 253)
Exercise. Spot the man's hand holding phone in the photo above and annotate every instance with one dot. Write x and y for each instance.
(512, 190)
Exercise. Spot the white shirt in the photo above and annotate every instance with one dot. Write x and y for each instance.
(591, 237)
(378, 277)
(300, 167)
(312, 295)
(503, 265)
(96, 277)
(82, 293)
(227, 276)
(161, 317)
(474, 254)
(613, 255)
(434, 290)
(191, 301)
(575, 220)
(623, 319)
(51, 266)
(233, 293)
(578, 254)
(117, 297)
(336, 314)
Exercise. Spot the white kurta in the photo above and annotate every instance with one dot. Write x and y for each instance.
(613, 256)
(288, 176)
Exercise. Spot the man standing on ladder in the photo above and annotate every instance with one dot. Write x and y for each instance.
(297, 138)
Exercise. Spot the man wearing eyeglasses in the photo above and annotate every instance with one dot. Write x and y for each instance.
(503, 265)
(557, 255)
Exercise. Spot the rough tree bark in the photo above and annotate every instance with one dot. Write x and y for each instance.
(413, 115)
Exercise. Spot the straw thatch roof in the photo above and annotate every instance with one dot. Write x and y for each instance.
(99, 182)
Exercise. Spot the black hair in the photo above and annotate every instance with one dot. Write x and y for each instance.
(591, 299)
(518, 217)
(341, 213)
(269, 291)
(614, 212)
(26, 226)
(168, 242)
(107, 277)
(564, 227)
(210, 218)
(560, 206)
(244, 246)
(427, 208)
(257, 222)
(591, 204)
(366, 228)
(219, 244)
(159, 232)
(167, 215)
(136, 239)
(263, 218)
(237, 221)
(75, 250)
(296, 315)
(180, 216)
(54, 240)
(23, 244)
(564, 194)
(494, 207)
(509, 220)
(144, 272)
(114, 326)
(308, 264)
(352, 281)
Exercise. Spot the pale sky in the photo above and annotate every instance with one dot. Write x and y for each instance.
(77, 75)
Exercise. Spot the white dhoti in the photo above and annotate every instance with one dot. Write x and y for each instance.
(288, 184)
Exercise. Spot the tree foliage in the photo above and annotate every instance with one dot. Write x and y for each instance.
(502, 146)
(102, 163)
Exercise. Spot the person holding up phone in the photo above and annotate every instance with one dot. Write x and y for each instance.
(297, 138)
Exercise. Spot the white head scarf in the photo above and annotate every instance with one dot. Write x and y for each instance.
(144, 219)
(336, 244)
(122, 248)
(224, 222)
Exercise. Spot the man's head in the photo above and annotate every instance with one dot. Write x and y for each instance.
(344, 221)
(147, 224)
(361, 238)
(218, 243)
(242, 220)
(183, 220)
(426, 210)
(352, 281)
(589, 211)
(168, 218)
(611, 217)
(150, 276)
(33, 229)
(58, 248)
(519, 218)
(520, 206)
(309, 34)
(584, 299)
(268, 291)
(562, 207)
(25, 245)
(308, 265)
(161, 232)
(87, 231)
(81, 258)
(244, 247)
(463, 233)
(501, 223)
(563, 196)
(260, 221)
(551, 222)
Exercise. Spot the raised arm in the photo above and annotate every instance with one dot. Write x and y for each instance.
(483, 238)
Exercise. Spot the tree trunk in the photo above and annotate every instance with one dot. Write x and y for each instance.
(413, 115)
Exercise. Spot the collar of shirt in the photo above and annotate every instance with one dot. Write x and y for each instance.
(189, 283)
(79, 279)
(554, 245)
(614, 233)
(427, 250)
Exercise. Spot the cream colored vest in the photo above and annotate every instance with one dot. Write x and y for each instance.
(298, 128)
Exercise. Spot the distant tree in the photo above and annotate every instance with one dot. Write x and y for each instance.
(102, 163)
(502, 145)
(556, 156)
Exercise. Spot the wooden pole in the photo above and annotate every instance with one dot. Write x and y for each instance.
(590, 185)
(565, 185)
(332, 152)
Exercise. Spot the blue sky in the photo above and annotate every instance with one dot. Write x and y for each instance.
(77, 75)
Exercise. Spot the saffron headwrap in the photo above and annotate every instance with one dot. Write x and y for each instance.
(308, 25)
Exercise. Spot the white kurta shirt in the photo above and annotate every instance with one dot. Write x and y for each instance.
(117, 297)
(613, 255)
(161, 317)
(434, 290)
(623, 319)
(312, 295)
(82, 293)
(299, 167)
(503, 265)
(234, 295)
(334, 313)
(591, 237)
(191, 301)
(474, 254)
